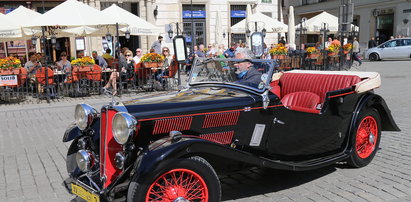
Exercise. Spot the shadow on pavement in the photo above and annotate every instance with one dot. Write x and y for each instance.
(258, 181)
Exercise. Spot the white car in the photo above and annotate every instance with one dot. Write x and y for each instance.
(395, 48)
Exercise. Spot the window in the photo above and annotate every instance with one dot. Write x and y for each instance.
(266, 1)
(407, 42)
(304, 2)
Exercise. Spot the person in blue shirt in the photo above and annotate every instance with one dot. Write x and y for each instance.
(230, 53)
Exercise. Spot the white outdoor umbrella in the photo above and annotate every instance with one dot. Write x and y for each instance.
(136, 25)
(11, 24)
(270, 24)
(68, 18)
(291, 28)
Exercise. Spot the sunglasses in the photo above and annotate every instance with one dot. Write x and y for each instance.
(138, 51)
(63, 55)
(128, 55)
(165, 50)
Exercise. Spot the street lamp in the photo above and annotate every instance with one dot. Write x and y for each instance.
(170, 29)
(127, 34)
(256, 28)
(34, 40)
(53, 39)
(324, 30)
(224, 34)
(108, 36)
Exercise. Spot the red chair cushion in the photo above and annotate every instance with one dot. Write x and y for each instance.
(319, 84)
(301, 99)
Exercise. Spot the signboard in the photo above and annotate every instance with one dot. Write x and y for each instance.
(180, 49)
(257, 44)
(196, 14)
(8, 80)
(80, 44)
(238, 14)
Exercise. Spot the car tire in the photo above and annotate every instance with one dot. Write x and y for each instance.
(365, 139)
(175, 179)
(374, 57)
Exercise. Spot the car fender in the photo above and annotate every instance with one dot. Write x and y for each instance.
(371, 100)
(71, 133)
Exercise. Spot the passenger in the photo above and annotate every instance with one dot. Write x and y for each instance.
(246, 73)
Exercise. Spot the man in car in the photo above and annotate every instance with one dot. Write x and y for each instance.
(246, 73)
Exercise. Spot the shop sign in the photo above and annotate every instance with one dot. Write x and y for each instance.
(8, 80)
(238, 14)
(406, 11)
(196, 14)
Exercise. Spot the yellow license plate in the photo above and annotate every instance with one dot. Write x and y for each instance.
(84, 194)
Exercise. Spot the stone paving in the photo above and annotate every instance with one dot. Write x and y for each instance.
(32, 156)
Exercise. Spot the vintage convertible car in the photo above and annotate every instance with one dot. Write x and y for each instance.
(170, 147)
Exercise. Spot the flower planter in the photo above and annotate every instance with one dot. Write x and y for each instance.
(346, 52)
(150, 64)
(313, 55)
(332, 53)
(279, 57)
(6, 72)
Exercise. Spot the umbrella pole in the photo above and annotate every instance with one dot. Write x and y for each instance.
(27, 51)
(5, 49)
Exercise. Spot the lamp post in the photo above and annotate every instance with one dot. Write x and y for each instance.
(302, 30)
(324, 30)
(248, 31)
(170, 35)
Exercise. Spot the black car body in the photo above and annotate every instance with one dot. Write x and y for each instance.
(169, 147)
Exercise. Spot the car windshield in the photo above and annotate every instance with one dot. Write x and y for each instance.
(252, 74)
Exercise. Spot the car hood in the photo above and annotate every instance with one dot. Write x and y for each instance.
(191, 100)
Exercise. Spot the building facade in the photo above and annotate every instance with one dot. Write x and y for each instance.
(203, 21)
(376, 18)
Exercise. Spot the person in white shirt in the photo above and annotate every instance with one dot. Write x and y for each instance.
(139, 54)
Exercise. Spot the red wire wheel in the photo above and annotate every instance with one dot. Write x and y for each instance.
(181, 184)
(366, 138)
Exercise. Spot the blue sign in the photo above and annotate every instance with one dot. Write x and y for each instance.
(188, 38)
(238, 14)
(196, 14)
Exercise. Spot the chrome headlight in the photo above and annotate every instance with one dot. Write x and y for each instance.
(84, 160)
(124, 125)
(84, 115)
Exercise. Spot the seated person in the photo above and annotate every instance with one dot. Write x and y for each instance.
(32, 65)
(100, 61)
(246, 73)
(127, 69)
(165, 68)
(63, 64)
(108, 57)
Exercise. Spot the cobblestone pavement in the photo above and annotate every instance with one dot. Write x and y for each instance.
(32, 156)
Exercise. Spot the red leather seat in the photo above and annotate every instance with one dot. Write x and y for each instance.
(301, 99)
(319, 84)
(304, 91)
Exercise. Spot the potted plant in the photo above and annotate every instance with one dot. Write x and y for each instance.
(279, 51)
(333, 49)
(347, 48)
(8, 64)
(84, 63)
(313, 52)
(151, 60)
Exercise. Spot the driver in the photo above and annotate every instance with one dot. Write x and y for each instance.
(246, 73)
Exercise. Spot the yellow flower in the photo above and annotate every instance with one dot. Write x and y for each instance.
(152, 57)
(279, 49)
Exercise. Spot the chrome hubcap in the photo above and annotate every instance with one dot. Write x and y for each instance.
(371, 138)
(181, 199)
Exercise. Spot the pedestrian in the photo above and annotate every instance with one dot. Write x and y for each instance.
(157, 45)
(372, 43)
(356, 51)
